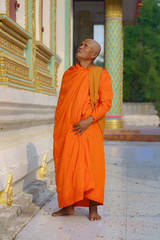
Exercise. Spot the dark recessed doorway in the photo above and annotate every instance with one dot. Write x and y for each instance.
(88, 22)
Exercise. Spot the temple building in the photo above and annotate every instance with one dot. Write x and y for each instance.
(38, 40)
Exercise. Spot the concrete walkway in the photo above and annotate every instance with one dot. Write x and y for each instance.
(132, 201)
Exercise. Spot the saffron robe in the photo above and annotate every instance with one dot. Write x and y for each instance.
(79, 160)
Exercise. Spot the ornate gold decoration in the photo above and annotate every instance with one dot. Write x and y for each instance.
(13, 68)
(6, 196)
(55, 63)
(43, 168)
(7, 8)
(55, 8)
(114, 123)
(34, 48)
(14, 72)
(43, 76)
(55, 74)
(113, 8)
(26, 15)
(14, 29)
(41, 63)
(10, 43)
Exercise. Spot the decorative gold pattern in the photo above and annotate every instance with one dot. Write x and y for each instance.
(113, 8)
(7, 8)
(26, 16)
(55, 74)
(43, 168)
(114, 62)
(114, 58)
(14, 72)
(6, 196)
(40, 63)
(14, 68)
(9, 43)
(34, 48)
(114, 123)
(43, 77)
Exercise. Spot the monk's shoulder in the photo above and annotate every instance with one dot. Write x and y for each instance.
(68, 71)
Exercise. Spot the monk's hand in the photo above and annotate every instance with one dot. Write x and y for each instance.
(82, 125)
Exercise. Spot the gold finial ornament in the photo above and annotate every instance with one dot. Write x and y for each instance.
(6, 196)
(113, 8)
(43, 168)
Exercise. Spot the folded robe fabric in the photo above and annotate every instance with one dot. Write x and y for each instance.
(94, 79)
(79, 160)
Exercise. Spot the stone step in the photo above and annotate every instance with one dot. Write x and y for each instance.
(139, 134)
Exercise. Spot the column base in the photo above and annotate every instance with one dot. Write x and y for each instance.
(114, 123)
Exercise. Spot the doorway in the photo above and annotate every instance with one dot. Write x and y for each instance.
(88, 22)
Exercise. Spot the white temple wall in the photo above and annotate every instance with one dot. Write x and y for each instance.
(46, 23)
(26, 122)
(2, 6)
(20, 14)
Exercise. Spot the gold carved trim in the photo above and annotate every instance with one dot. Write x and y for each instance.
(34, 48)
(55, 21)
(113, 8)
(7, 8)
(55, 63)
(14, 29)
(8, 43)
(114, 123)
(43, 168)
(15, 69)
(6, 196)
(26, 16)
(48, 52)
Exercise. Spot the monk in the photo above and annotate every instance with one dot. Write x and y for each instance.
(78, 138)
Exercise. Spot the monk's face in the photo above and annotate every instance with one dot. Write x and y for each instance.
(86, 51)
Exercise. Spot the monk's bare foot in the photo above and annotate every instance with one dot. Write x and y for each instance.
(93, 213)
(64, 211)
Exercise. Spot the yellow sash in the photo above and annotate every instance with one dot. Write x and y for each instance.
(94, 79)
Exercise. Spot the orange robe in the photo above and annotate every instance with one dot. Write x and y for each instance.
(79, 160)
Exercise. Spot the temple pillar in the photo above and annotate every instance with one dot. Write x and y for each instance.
(114, 60)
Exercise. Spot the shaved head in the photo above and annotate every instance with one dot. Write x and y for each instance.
(88, 51)
(95, 46)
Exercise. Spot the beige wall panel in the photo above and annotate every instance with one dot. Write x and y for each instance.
(20, 14)
(46, 22)
(2, 6)
(37, 21)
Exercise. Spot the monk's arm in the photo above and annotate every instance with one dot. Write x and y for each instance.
(82, 125)
(105, 94)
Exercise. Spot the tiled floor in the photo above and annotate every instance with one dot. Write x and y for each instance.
(132, 201)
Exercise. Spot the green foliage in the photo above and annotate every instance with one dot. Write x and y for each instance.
(142, 55)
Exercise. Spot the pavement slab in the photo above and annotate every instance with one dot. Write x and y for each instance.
(132, 201)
